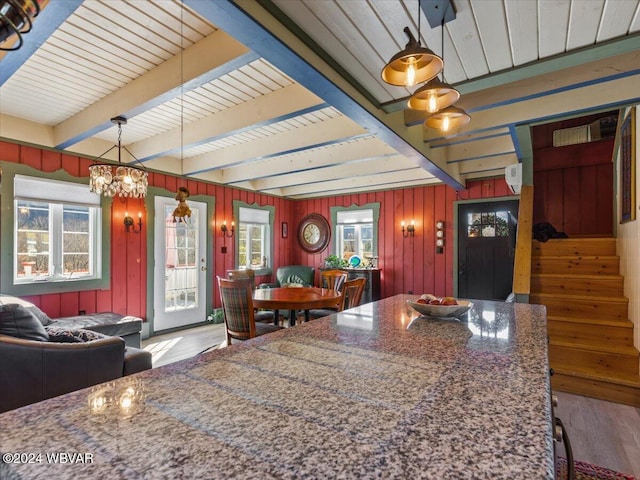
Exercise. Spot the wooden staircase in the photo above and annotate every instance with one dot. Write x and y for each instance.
(590, 336)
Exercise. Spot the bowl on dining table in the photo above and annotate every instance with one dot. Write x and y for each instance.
(441, 311)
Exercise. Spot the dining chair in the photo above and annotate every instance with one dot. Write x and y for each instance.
(352, 293)
(259, 315)
(334, 280)
(237, 307)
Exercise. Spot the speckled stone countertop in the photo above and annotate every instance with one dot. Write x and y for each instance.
(373, 392)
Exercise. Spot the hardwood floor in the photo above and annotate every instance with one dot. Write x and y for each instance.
(602, 433)
(175, 346)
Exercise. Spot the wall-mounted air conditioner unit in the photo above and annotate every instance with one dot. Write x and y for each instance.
(513, 177)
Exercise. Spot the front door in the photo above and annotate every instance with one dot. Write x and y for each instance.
(180, 266)
(486, 249)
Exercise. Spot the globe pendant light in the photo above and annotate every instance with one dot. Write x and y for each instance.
(415, 64)
(447, 119)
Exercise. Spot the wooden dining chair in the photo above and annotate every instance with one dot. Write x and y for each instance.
(352, 293)
(332, 279)
(247, 273)
(237, 307)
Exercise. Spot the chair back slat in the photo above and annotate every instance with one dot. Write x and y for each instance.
(352, 293)
(333, 279)
(237, 307)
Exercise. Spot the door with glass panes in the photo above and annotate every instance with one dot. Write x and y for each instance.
(486, 249)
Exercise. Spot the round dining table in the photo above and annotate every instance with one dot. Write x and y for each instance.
(294, 299)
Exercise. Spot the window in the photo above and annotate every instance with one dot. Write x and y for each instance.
(57, 227)
(254, 236)
(488, 224)
(356, 231)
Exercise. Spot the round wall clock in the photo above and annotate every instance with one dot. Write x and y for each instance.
(314, 233)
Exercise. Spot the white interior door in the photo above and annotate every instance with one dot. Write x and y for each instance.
(180, 266)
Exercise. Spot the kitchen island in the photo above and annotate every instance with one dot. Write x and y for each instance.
(372, 392)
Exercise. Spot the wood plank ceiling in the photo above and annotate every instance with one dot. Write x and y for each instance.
(285, 97)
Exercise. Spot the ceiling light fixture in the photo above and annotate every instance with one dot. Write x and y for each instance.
(436, 94)
(16, 18)
(447, 119)
(118, 180)
(415, 64)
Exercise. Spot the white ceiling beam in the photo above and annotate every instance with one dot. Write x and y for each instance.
(274, 104)
(298, 138)
(383, 166)
(310, 159)
(199, 59)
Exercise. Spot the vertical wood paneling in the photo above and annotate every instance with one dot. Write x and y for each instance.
(51, 161)
(31, 157)
(407, 264)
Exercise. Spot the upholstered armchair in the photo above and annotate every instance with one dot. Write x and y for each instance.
(294, 275)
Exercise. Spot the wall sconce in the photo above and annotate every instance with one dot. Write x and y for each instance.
(129, 224)
(439, 236)
(409, 230)
(227, 232)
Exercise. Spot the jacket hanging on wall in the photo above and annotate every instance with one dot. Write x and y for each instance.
(544, 231)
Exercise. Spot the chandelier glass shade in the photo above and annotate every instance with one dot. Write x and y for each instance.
(415, 64)
(447, 119)
(119, 180)
(433, 96)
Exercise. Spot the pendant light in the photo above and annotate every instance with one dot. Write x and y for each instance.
(118, 180)
(415, 64)
(435, 94)
(447, 119)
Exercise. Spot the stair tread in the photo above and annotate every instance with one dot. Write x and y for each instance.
(581, 297)
(578, 276)
(596, 347)
(591, 321)
(619, 378)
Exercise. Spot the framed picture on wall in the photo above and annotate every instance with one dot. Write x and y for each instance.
(628, 168)
(285, 230)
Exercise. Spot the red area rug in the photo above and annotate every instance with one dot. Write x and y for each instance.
(586, 471)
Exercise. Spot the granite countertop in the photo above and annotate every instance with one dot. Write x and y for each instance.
(373, 392)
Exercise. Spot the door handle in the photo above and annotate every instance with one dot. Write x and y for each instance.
(203, 269)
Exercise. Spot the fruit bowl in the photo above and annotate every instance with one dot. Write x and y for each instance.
(441, 311)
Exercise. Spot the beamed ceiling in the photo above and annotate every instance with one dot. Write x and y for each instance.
(285, 97)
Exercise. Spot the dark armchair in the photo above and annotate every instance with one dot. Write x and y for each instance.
(292, 275)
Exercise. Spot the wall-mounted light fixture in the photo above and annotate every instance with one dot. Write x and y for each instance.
(439, 236)
(130, 225)
(226, 232)
(409, 230)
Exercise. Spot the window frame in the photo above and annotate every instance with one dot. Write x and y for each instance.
(237, 204)
(101, 281)
(374, 207)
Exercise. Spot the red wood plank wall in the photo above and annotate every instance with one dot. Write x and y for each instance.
(408, 264)
(573, 183)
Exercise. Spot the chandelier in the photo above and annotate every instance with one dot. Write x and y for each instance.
(16, 18)
(118, 180)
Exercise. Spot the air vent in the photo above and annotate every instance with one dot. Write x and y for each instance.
(571, 136)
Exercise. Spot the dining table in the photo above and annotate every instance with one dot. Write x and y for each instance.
(294, 299)
(373, 392)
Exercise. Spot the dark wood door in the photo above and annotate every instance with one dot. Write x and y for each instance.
(486, 248)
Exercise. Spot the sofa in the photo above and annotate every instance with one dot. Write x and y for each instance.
(40, 361)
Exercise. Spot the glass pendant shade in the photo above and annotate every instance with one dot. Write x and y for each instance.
(448, 119)
(415, 64)
(433, 96)
(119, 180)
